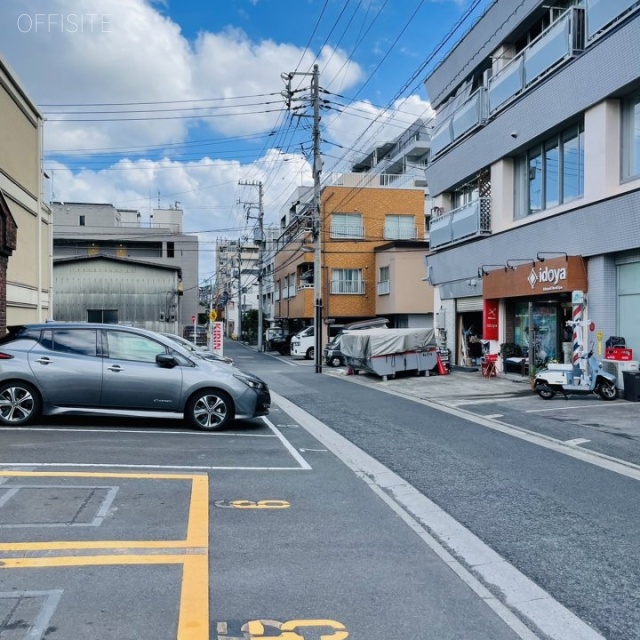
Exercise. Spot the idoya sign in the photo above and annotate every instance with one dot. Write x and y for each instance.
(551, 276)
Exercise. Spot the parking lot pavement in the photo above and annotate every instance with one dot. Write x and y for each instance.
(121, 530)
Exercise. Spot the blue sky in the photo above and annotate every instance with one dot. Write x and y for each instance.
(179, 100)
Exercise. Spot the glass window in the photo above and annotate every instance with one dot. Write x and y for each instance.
(347, 281)
(550, 173)
(130, 346)
(399, 227)
(535, 182)
(81, 342)
(631, 138)
(347, 225)
(572, 164)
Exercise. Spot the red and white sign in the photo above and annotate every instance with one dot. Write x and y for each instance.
(216, 340)
(490, 330)
(193, 319)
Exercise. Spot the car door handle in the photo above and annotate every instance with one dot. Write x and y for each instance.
(44, 360)
(115, 367)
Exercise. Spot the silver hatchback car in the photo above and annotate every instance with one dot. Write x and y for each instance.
(105, 369)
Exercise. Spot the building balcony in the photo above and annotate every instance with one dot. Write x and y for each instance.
(561, 41)
(602, 16)
(468, 221)
(370, 181)
(468, 116)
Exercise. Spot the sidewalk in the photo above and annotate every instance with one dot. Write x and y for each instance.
(459, 383)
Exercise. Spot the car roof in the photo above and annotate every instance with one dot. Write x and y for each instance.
(80, 325)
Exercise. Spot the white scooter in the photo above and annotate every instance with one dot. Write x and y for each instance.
(569, 379)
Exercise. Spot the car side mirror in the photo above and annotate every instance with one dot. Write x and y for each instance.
(166, 360)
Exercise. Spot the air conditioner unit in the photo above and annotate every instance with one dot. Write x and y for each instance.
(618, 367)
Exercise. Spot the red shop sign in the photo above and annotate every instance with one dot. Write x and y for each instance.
(490, 324)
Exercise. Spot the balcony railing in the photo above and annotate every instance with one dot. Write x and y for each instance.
(466, 117)
(355, 231)
(601, 16)
(384, 287)
(401, 233)
(470, 220)
(557, 44)
(370, 180)
(347, 287)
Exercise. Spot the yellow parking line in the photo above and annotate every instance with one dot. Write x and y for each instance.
(193, 615)
(98, 544)
(198, 525)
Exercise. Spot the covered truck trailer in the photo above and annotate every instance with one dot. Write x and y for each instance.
(386, 352)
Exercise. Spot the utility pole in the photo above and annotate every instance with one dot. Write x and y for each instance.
(239, 289)
(260, 241)
(317, 262)
(317, 217)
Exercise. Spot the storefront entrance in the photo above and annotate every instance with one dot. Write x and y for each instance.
(551, 335)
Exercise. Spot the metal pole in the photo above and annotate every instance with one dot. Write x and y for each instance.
(261, 242)
(239, 291)
(317, 263)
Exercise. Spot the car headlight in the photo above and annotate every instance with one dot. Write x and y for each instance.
(254, 383)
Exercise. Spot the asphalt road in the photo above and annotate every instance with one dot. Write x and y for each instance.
(347, 513)
(567, 523)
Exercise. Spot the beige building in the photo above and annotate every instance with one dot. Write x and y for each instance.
(373, 247)
(25, 240)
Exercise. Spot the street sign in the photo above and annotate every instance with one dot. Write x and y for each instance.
(213, 315)
(193, 319)
(577, 297)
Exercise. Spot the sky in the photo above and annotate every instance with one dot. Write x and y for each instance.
(171, 103)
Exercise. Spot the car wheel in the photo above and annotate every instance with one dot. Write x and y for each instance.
(20, 404)
(209, 410)
(311, 352)
(335, 361)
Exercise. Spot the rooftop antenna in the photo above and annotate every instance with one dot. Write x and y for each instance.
(158, 198)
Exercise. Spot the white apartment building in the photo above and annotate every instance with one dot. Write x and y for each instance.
(535, 176)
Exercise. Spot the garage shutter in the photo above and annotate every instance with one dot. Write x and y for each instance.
(469, 304)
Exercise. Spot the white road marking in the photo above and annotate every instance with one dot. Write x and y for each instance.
(576, 441)
(290, 448)
(562, 407)
(602, 460)
(11, 466)
(519, 592)
(493, 416)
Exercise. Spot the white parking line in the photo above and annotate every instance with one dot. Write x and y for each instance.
(290, 448)
(563, 408)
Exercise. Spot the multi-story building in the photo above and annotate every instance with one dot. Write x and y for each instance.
(111, 266)
(370, 225)
(236, 288)
(25, 224)
(535, 176)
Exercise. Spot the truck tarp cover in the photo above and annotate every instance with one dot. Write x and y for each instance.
(368, 343)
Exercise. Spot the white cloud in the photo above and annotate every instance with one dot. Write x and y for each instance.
(134, 54)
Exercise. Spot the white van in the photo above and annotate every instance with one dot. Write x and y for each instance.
(303, 344)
